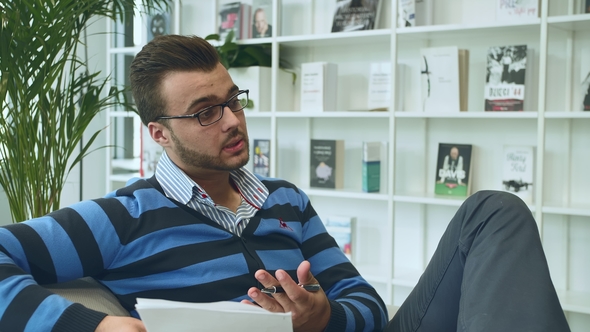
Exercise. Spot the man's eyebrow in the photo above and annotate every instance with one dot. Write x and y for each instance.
(233, 90)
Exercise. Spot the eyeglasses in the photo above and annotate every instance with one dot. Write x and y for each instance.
(212, 114)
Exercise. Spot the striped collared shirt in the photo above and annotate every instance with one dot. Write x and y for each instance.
(180, 187)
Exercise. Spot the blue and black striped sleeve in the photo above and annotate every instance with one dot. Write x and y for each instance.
(59, 247)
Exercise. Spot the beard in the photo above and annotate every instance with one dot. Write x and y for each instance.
(197, 159)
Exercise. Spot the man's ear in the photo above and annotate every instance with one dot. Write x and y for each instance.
(159, 133)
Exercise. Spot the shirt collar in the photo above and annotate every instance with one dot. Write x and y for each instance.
(180, 187)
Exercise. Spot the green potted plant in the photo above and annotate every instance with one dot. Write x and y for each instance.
(249, 66)
(49, 96)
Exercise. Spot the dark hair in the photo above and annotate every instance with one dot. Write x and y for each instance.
(161, 56)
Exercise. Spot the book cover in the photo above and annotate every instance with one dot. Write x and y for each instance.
(353, 15)
(261, 18)
(412, 13)
(261, 162)
(517, 171)
(150, 153)
(158, 24)
(374, 159)
(516, 9)
(505, 78)
(326, 164)
(235, 16)
(379, 94)
(406, 13)
(585, 78)
(453, 169)
(341, 228)
(319, 86)
(441, 71)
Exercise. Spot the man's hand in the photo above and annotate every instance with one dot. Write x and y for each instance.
(120, 324)
(310, 310)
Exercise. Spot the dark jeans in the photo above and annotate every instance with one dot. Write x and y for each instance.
(489, 273)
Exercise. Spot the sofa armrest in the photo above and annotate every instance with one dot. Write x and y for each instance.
(91, 294)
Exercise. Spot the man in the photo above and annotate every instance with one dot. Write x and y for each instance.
(203, 229)
(261, 28)
(452, 171)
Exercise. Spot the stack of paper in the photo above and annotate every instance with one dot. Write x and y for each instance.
(165, 316)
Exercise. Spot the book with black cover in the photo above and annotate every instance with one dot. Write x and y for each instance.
(352, 15)
(326, 163)
(505, 79)
(453, 169)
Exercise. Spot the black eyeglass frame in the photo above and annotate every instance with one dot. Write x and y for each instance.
(208, 108)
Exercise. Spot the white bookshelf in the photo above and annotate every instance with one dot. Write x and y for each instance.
(398, 228)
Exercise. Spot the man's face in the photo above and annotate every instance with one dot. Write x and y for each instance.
(260, 22)
(199, 150)
(454, 153)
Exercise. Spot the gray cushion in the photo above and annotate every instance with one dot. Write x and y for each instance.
(91, 294)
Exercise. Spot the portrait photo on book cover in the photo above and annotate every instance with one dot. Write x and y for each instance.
(261, 18)
(452, 171)
(353, 15)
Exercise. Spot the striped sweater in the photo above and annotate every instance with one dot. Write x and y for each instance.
(139, 243)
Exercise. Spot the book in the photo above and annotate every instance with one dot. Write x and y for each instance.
(235, 16)
(165, 315)
(444, 79)
(379, 94)
(353, 15)
(261, 18)
(516, 9)
(326, 163)
(261, 162)
(517, 171)
(150, 153)
(373, 166)
(585, 78)
(158, 24)
(319, 86)
(414, 13)
(341, 228)
(505, 78)
(453, 169)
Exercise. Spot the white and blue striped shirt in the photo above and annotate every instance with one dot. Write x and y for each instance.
(180, 187)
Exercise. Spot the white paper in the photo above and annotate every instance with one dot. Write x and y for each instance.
(166, 316)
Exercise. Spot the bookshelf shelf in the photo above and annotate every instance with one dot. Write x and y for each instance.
(467, 30)
(579, 22)
(469, 115)
(333, 115)
(583, 211)
(575, 301)
(337, 39)
(343, 193)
